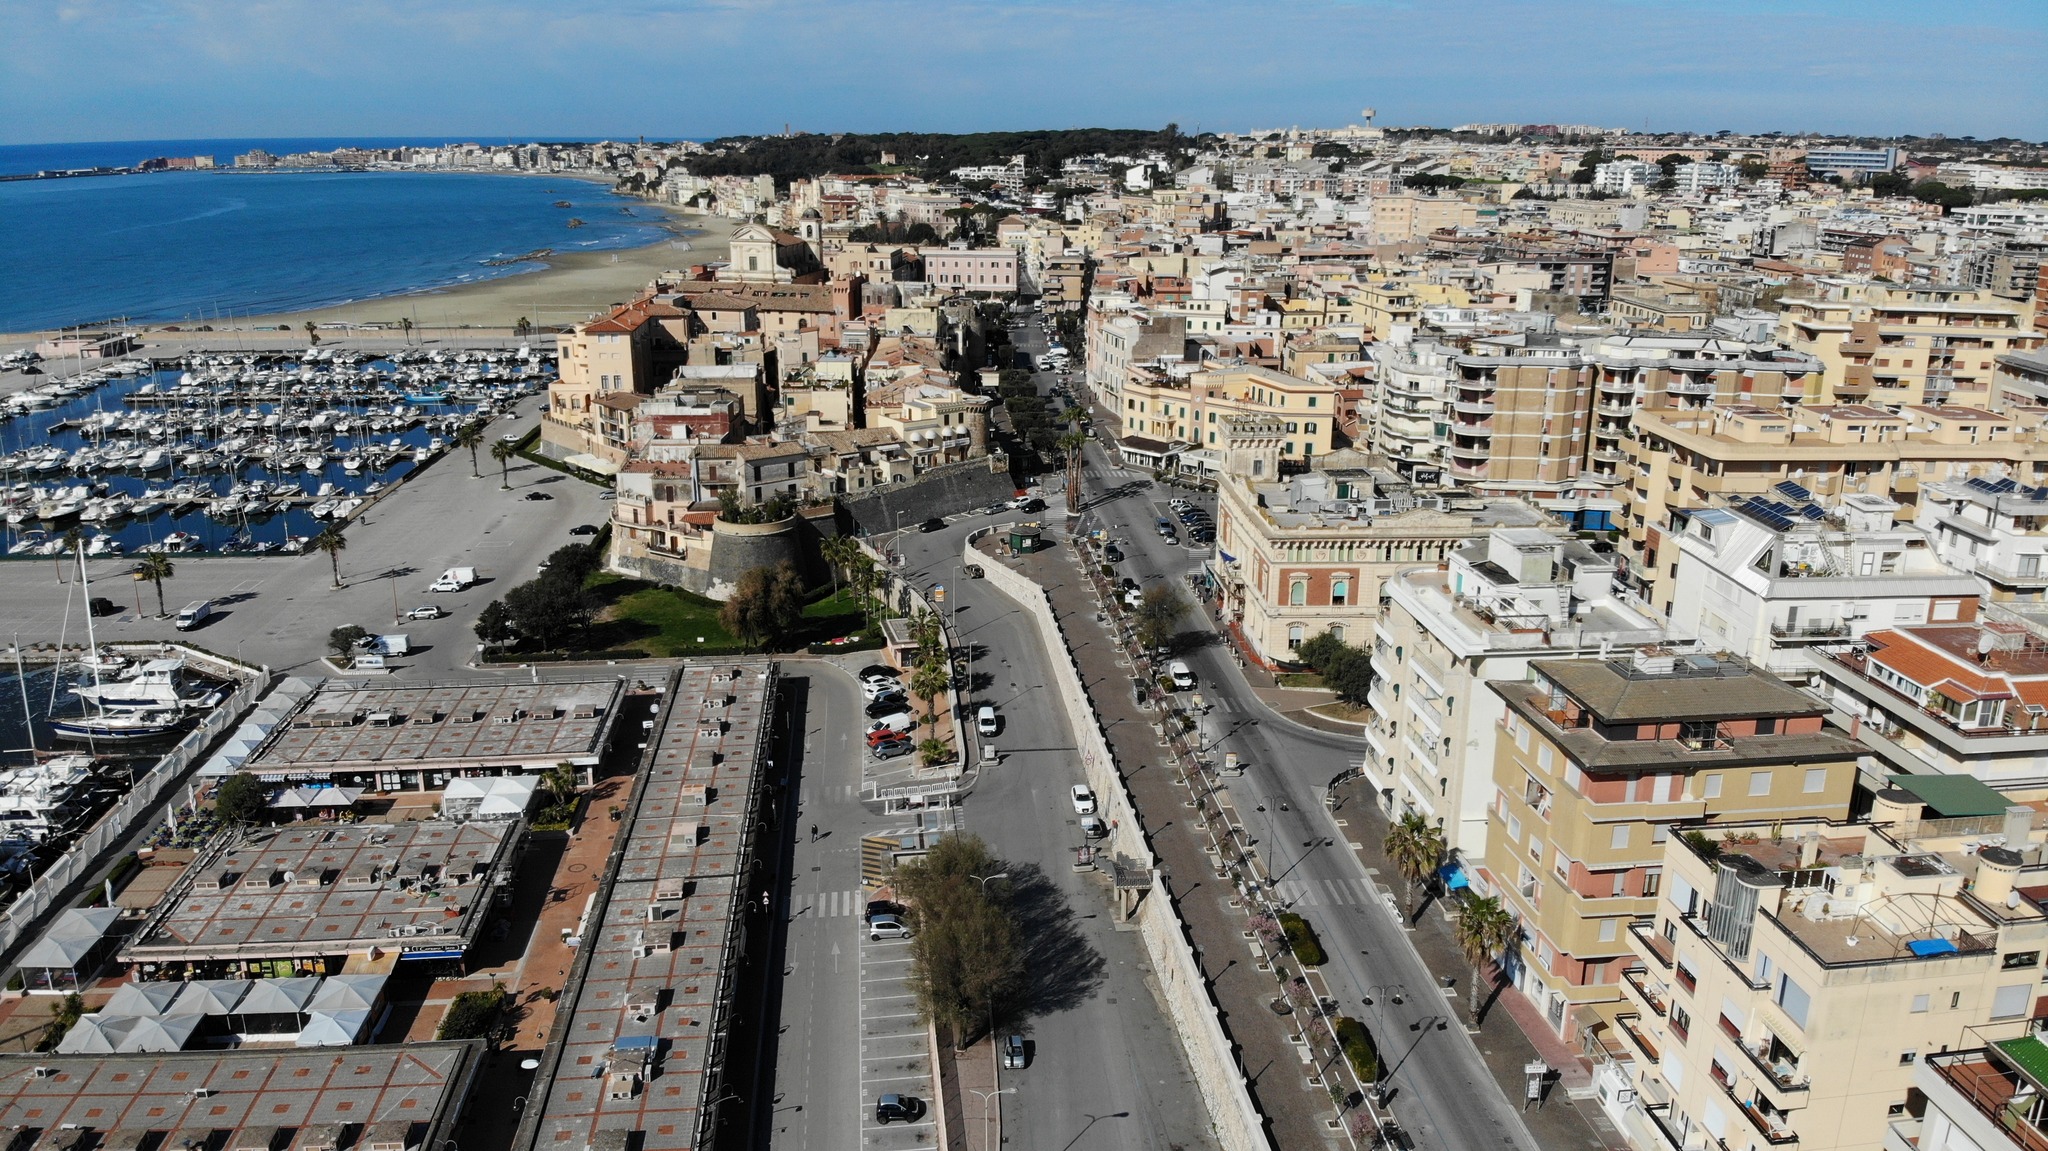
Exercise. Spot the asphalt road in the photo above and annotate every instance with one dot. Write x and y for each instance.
(1106, 1071)
(277, 610)
(1444, 1095)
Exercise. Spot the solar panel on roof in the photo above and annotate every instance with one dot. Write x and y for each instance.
(1996, 488)
(1794, 491)
(1813, 512)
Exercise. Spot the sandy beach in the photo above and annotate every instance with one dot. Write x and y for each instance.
(568, 288)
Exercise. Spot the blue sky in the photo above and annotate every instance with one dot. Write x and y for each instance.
(156, 69)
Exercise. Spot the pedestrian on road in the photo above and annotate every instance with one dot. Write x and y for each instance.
(814, 833)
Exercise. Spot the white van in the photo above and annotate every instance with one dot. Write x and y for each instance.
(1182, 678)
(197, 612)
(985, 720)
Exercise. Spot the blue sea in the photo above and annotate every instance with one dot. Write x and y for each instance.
(206, 247)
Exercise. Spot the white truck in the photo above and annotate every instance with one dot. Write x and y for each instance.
(454, 579)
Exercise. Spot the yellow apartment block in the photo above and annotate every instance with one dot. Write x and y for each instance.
(1888, 345)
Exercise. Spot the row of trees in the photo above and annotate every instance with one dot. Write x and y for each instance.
(550, 610)
(966, 953)
(931, 676)
(766, 605)
(933, 154)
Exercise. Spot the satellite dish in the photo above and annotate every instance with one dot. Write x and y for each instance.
(1985, 643)
(2012, 900)
(529, 1064)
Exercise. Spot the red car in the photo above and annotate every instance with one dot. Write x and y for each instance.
(885, 735)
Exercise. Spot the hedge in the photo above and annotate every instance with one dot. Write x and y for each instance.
(1358, 1049)
(501, 656)
(1301, 939)
(868, 643)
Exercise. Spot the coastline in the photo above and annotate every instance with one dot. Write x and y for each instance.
(562, 288)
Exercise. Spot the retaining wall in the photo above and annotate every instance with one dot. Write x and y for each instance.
(1181, 987)
(941, 491)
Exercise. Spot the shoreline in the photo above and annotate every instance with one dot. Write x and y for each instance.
(560, 289)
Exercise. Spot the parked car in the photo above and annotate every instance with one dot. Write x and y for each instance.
(879, 671)
(887, 735)
(934, 524)
(995, 509)
(893, 1107)
(536, 496)
(879, 907)
(1093, 828)
(101, 605)
(1012, 1048)
(887, 705)
(985, 720)
(427, 612)
(888, 927)
(1084, 799)
(894, 748)
(583, 530)
(898, 721)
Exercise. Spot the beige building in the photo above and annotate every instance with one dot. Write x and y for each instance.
(1685, 459)
(1596, 759)
(935, 423)
(1406, 216)
(1886, 345)
(1191, 409)
(1796, 973)
(630, 349)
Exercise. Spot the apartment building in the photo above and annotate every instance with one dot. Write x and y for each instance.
(1445, 632)
(1169, 407)
(632, 348)
(1705, 176)
(936, 423)
(971, 270)
(1520, 418)
(1623, 177)
(1685, 459)
(1996, 530)
(1890, 346)
(1120, 335)
(1796, 973)
(1768, 578)
(1963, 697)
(1299, 557)
(1597, 759)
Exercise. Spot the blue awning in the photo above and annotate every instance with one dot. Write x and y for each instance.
(431, 955)
(1227, 557)
(1926, 948)
(1453, 877)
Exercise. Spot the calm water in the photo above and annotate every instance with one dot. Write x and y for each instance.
(195, 247)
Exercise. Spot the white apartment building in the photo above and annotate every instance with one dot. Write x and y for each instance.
(1767, 583)
(1514, 595)
(1624, 176)
(1705, 175)
(1994, 529)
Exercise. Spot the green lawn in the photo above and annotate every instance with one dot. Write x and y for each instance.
(670, 622)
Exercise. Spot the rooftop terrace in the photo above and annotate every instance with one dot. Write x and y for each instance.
(344, 726)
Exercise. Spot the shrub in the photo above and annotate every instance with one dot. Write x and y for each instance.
(475, 1014)
(1358, 1049)
(1301, 939)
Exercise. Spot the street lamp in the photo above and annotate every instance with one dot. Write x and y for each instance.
(1391, 991)
(985, 1097)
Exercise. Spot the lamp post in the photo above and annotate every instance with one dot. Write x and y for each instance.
(985, 1097)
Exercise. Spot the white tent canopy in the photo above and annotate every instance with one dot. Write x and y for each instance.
(278, 996)
(166, 1034)
(347, 993)
(95, 1035)
(493, 797)
(333, 1028)
(209, 997)
(141, 999)
(71, 938)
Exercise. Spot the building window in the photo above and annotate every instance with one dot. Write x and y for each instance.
(1816, 780)
(1337, 632)
(1920, 1004)
(1710, 786)
(1759, 783)
(1340, 592)
(1618, 838)
(1297, 593)
(1294, 636)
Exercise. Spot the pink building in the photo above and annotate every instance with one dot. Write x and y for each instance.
(971, 269)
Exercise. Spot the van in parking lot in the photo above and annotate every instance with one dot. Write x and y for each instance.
(195, 614)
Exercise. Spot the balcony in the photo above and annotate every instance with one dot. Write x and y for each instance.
(1683, 387)
(1617, 387)
(1997, 1093)
(1473, 427)
(1467, 471)
(1769, 1122)
(1629, 1025)
(1808, 632)
(1637, 979)
(1480, 452)
(2013, 576)
(1652, 944)
(1610, 408)
(1776, 1064)
(1611, 455)
(1473, 407)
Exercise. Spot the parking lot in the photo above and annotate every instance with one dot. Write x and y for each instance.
(895, 1054)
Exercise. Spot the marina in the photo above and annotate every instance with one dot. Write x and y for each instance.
(235, 452)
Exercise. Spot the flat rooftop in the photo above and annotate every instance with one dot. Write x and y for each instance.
(324, 889)
(328, 1095)
(348, 726)
(656, 961)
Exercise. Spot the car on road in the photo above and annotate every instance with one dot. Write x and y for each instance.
(101, 605)
(1033, 504)
(583, 530)
(1084, 799)
(536, 496)
(893, 1107)
(1093, 828)
(893, 748)
(427, 612)
(934, 524)
(1113, 554)
(974, 571)
(985, 720)
(1014, 1056)
(995, 509)
(1183, 678)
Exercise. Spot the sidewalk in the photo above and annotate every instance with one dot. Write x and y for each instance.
(1273, 1068)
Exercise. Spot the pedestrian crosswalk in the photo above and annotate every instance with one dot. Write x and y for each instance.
(1325, 892)
(837, 904)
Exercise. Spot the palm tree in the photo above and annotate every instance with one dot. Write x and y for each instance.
(73, 536)
(332, 543)
(1416, 847)
(156, 567)
(313, 331)
(928, 682)
(405, 328)
(1071, 444)
(503, 453)
(472, 437)
(1485, 929)
(838, 553)
(930, 638)
(521, 327)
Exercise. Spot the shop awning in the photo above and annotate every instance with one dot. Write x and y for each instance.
(1953, 796)
(1453, 877)
(584, 461)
